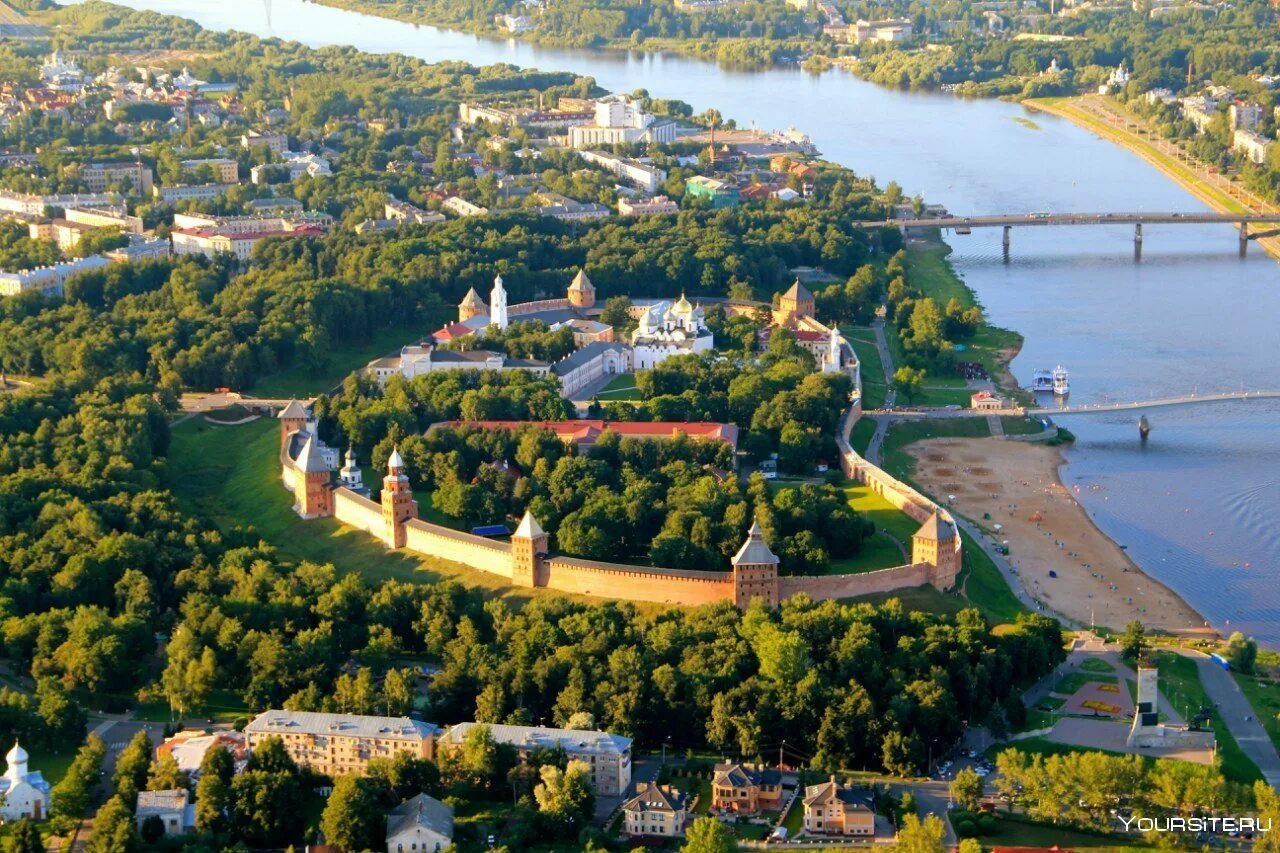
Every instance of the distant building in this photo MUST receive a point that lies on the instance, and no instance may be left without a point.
(642, 175)
(421, 824)
(225, 170)
(720, 193)
(276, 143)
(172, 808)
(461, 207)
(745, 788)
(99, 176)
(1252, 145)
(608, 755)
(585, 331)
(183, 192)
(584, 434)
(667, 329)
(985, 401)
(794, 305)
(832, 809)
(402, 211)
(656, 810)
(25, 792)
(562, 207)
(514, 23)
(48, 280)
(140, 248)
(1243, 116)
(590, 364)
(419, 359)
(620, 120)
(338, 744)
(647, 207)
(215, 241)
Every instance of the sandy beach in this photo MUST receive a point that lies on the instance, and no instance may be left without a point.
(1047, 530)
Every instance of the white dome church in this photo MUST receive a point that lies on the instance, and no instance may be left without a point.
(26, 794)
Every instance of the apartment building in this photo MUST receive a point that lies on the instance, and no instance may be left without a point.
(343, 744)
(99, 176)
(608, 755)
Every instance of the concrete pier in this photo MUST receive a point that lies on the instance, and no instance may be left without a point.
(1008, 230)
(1244, 239)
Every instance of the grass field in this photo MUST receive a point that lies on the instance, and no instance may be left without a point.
(1097, 665)
(1264, 695)
(1073, 681)
(892, 525)
(900, 464)
(1014, 425)
(863, 341)
(929, 271)
(223, 707)
(861, 435)
(621, 387)
(301, 383)
(985, 587)
(1180, 682)
(1016, 831)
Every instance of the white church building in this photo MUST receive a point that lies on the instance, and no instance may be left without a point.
(668, 329)
(25, 793)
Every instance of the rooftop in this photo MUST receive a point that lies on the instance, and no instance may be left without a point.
(424, 811)
(572, 740)
(347, 725)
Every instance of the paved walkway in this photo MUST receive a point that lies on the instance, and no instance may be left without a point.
(1239, 716)
(886, 361)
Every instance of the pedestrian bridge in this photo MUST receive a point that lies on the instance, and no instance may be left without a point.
(1185, 400)
(1008, 221)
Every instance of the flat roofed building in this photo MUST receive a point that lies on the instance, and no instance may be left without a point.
(608, 755)
(172, 808)
(99, 176)
(585, 433)
(336, 744)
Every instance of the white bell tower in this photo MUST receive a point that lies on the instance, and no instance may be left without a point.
(498, 304)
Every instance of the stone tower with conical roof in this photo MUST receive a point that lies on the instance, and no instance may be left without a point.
(755, 571)
(935, 545)
(470, 306)
(528, 547)
(292, 418)
(315, 498)
(398, 505)
(796, 303)
(582, 293)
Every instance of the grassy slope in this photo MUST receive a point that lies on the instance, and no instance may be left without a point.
(878, 552)
(1264, 695)
(863, 341)
(1180, 682)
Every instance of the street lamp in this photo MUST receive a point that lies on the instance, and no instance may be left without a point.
(665, 741)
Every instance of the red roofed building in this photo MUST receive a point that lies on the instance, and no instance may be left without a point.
(585, 433)
(452, 332)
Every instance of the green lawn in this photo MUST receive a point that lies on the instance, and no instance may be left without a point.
(1014, 425)
(302, 383)
(929, 271)
(861, 436)
(1180, 682)
(701, 788)
(1097, 665)
(231, 476)
(863, 341)
(878, 552)
(223, 707)
(795, 818)
(900, 464)
(1264, 695)
(1016, 831)
(53, 765)
(621, 387)
(1073, 681)
(985, 587)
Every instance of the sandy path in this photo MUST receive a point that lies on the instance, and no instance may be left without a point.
(1046, 529)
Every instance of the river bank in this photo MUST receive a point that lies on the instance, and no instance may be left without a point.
(1018, 485)
(1221, 194)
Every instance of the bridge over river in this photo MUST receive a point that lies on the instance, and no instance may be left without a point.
(1165, 402)
(1008, 221)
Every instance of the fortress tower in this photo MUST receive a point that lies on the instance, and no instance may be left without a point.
(796, 303)
(934, 544)
(470, 306)
(293, 418)
(398, 505)
(315, 494)
(528, 547)
(498, 304)
(755, 571)
(582, 293)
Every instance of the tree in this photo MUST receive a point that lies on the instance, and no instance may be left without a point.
(707, 835)
(25, 838)
(166, 775)
(966, 789)
(113, 830)
(1242, 653)
(909, 382)
(70, 797)
(133, 766)
(397, 692)
(353, 817)
(581, 721)
(1133, 642)
(213, 791)
(916, 836)
(970, 845)
(267, 807)
(566, 795)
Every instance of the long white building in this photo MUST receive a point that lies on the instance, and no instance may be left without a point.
(621, 120)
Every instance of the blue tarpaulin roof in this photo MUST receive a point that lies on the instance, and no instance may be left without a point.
(491, 530)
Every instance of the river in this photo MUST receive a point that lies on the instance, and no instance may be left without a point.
(1198, 507)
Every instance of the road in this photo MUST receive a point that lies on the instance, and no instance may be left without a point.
(1240, 717)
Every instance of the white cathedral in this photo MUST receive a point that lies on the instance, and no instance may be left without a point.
(668, 329)
(25, 793)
